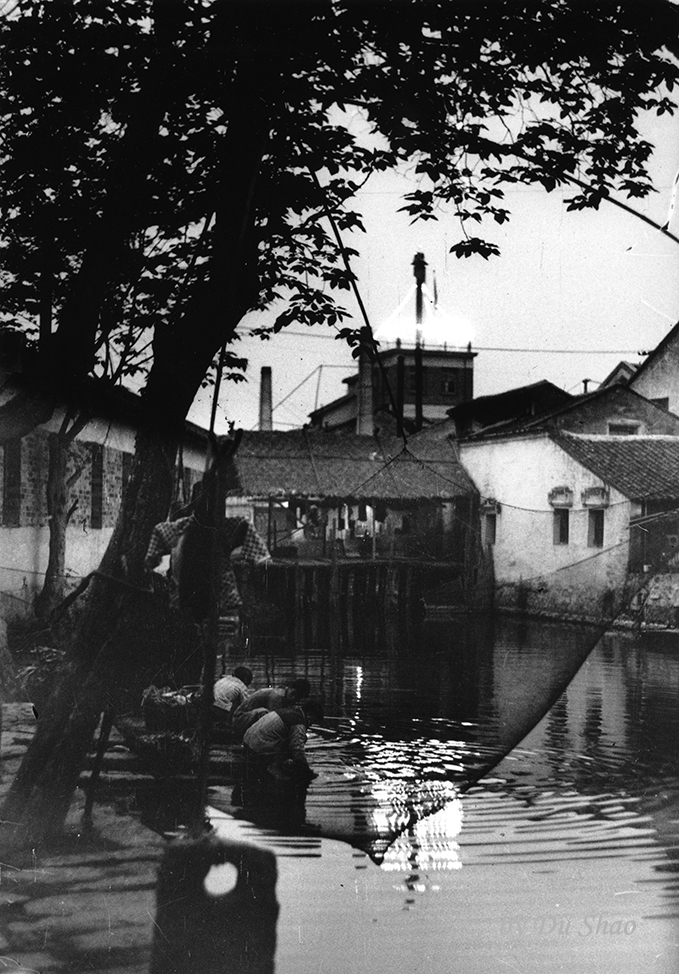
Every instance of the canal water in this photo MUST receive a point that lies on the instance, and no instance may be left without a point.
(492, 795)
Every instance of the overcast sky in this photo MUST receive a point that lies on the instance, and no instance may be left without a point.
(568, 287)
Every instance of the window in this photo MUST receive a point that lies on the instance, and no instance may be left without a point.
(448, 383)
(595, 529)
(11, 484)
(623, 429)
(561, 526)
(490, 528)
(96, 485)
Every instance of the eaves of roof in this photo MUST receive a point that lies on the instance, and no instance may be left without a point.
(479, 439)
(545, 420)
(333, 404)
(327, 465)
(640, 467)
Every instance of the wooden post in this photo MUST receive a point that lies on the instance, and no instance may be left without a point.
(299, 582)
(351, 595)
(334, 592)
(104, 735)
(315, 604)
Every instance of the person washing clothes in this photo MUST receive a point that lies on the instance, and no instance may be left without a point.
(262, 701)
(277, 741)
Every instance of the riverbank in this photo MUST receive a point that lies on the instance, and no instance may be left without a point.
(86, 905)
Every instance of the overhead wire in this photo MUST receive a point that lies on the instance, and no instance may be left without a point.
(480, 348)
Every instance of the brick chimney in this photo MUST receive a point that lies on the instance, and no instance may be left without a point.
(265, 400)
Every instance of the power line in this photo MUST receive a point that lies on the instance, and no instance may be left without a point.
(482, 348)
(565, 351)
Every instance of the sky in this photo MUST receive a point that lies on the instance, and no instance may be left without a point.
(575, 291)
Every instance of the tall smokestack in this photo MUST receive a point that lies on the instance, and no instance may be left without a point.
(265, 400)
(365, 423)
(420, 275)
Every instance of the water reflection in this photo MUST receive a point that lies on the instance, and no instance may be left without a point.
(417, 721)
(537, 864)
(429, 846)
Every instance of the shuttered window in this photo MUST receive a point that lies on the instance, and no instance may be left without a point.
(11, 484)
(595, 529)
(561, 526)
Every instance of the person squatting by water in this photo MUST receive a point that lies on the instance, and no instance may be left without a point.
(276, 742)
(262, 701)
(229, 693)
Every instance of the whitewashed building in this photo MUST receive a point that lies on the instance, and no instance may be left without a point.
(570, 518)
(99, 463)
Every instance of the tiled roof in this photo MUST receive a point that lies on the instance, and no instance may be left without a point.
(508, 410)
(553, 418)
(326, 464)
(640, 467)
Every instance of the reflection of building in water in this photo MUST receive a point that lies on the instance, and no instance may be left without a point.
(430, 845)
(537, 664)
(374, 794)
(437, 674)
(621, 701)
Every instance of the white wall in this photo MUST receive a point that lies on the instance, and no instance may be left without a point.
(25, 552)
(567, 579)
(661, 379)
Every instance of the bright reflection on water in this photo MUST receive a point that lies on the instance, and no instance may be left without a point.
(436, 761)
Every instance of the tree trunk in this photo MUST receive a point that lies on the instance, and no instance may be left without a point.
(59, 515)
(110, 661)
(119, 643)
(122, 633)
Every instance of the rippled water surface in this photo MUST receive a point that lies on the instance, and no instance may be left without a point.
(453, 827)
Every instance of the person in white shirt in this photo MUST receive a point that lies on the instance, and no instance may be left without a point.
(229, 693)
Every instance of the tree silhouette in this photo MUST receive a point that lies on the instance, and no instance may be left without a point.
(169, 165)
